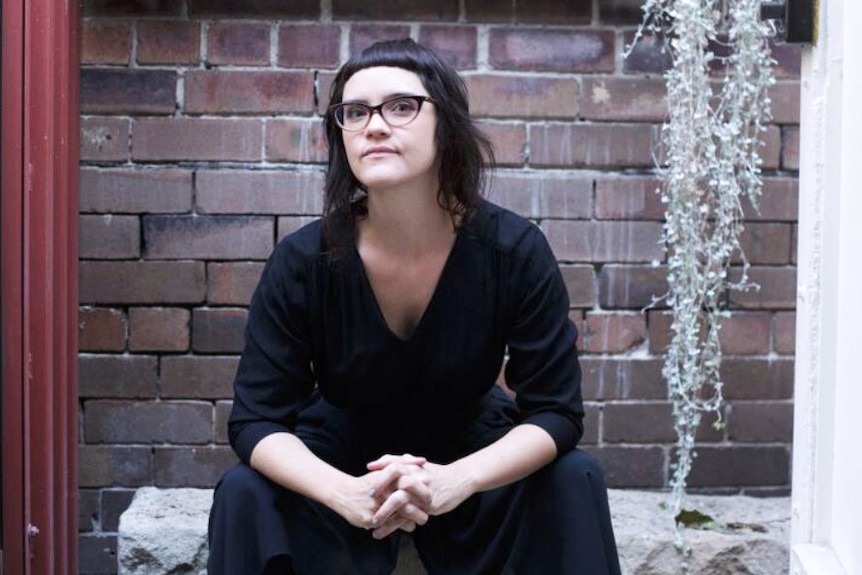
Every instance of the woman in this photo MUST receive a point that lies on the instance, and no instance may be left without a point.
(378, 332)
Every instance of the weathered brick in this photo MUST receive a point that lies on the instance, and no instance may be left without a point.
(757, 378)
(607, 378)
(790, 150)
(620, 12)
(232, 283)
(364, 35)
(638, 422)
(785, 96)
(554, 50)
(746, 333)
(132, 8)
(290, 224)
(766, 243)
(101, 329)
(509, 141)
(634, 466)
(761, 421)
(97, 554)
(168, 42)
(208, 237)
(581, 241)
(324, 85)
(109, 237)
(119, 191)
(580, 284)
(203, 139)
(628, 198)
(788, 59)
(114, 503)
(260, 192)
(114, 465)
(535, 11)
(219, 330)
(740, 465)
(197, 377)
(88, 509)
(592, 424)
(406, 10)
(624, 99)
(158, 329)
(104, 139)
(770, 150)
(779, 201)
(632, 287)
(142, 282)
(455, 44)
(659, 328)
(777, 288)
(242, 92)
(118, 376)
(522, 96)
(309, 45)
(191, 466)
(122, 91)
(293, 10)
(222, 412)
(649, 56)
(296, 140)
(108, 421)
(105, 42)
(784, 333)
(593, 145)
(612, 332)
(537, 195)
(238, 43)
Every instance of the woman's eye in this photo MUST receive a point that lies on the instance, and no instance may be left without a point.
(402, 106)
(354, 113)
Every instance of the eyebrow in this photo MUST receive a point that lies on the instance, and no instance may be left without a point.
(385, 98)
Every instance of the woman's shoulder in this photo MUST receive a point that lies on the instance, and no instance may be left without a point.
(502, 229)
(301, 247)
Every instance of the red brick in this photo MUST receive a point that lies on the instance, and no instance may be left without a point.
(746, 333)
(295, 9)
(777, 288)
(290, 224)
(109, 237)
(197, 377)
(761, 421)
(158, 329)
(168, 42)
(260, 192)
(779, 201)
(580, 284)
(142, 282)
(631, 466)
(455, 44)
(101, 329)
(232, 283)
(403, 10)
(207, 237)
(221, 416)
(785, 96)
(607, 378)
(592, 145)
(88, 509)
(638, 423)
(114, 503)
(535, 11)
(105, 42)
(523, 96)
(132, 8)
(620, 12)
(135, 191)
(324, 84)
(114, 465)
(650, 55)
(784, 333)
(509, 141)
(612, 332)
(770, 150)
(364, 35)
(659, 328)
(97, 553)
(632, 287)
(551, 50)
(213, 139)
(740, 465)
(220, 330)
(592, 423)
(217, 92)
(625, 99)
(765, 243)
(757, 378)
(309, 45)
(123, 91)
(108, 421)
(580, 241)
(628, 198)
(296, 140)
(538, 195)
(788, 59)
(104, 139)
(118, 376)
(238, 43)
(790, 151)
(191, 466)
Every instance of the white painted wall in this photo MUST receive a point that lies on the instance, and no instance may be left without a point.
(827, 453)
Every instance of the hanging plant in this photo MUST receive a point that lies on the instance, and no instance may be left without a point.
(717, 108)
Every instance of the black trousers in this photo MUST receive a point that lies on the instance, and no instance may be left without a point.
(556, 521)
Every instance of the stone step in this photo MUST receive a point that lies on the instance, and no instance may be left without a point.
(164, 531)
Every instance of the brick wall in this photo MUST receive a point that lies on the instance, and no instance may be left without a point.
(201, 146)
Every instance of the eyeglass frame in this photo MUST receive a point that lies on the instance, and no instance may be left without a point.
(333, 109)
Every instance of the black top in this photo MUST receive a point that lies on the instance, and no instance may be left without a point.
(316, 322)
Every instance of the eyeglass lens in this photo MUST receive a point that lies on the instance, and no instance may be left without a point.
(396, 112)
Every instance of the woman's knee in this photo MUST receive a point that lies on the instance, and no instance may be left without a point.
(242, 485)
(577, 465)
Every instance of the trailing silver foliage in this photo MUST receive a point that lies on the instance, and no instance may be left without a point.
(718, 105)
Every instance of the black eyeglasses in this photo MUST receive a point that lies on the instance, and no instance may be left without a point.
(398, 111)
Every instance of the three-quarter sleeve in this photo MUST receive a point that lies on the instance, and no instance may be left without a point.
(543, 367)
(274, 379)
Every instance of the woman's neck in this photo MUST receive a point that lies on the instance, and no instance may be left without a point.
(406, 222)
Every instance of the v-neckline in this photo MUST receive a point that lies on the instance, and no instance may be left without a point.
(375, 303)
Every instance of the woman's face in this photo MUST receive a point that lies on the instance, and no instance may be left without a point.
(382, 156)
